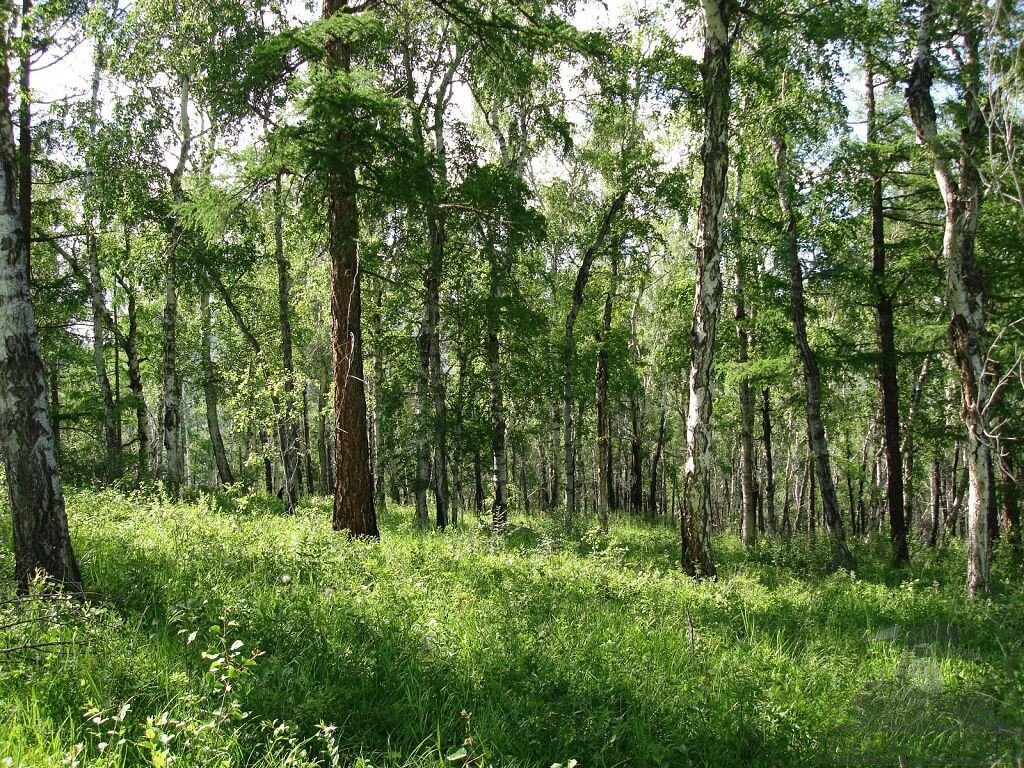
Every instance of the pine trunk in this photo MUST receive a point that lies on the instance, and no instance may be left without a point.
(354, 510)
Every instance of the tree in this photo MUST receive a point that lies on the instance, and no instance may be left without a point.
(42, 544)
(822, 465)
(715, 85)
(962, 195)
(354, 509)
(887, 373)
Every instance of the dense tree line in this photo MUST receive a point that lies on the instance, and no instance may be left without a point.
(732, 266)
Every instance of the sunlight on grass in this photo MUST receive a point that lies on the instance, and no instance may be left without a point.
(221, 634)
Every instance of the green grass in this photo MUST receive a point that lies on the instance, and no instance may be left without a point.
(539, 649)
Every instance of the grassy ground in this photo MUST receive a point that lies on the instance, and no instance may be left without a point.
(221, 634)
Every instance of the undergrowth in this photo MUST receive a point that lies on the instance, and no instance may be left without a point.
(219, 632)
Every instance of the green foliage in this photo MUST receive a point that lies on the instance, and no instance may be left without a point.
(223, 635)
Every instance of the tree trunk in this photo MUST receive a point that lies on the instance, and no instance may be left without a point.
(769, 472)
(111, 443)
(697, 560)
(288, 428)
(499, 507)
(42, 544)
(307, 450)
(605, 468)
(174, 457)
(746, 393)
(431, 333)
(353, 482)
(478, 483)
(422, 480)
(268, 466)
(25, 132)
(962, 198)
(888, 382)
(933, 534)
(636, 454)
(841, 555)
(659, 447)
(323, 451)
(568, 352)
(908, 445)
(210, 393)
(377, 444)
(130, 343)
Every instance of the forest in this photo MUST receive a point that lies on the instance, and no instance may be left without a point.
(511, 383)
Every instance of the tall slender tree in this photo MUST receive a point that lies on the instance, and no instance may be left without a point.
(960, 184)
(716, 78)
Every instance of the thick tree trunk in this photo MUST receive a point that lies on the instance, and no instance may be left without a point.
(220, 457)
(54, 407)
(288, 428)
(499, 507)
(174, 457)
(568, 353)
(888, 382)
(962, 197)
(841, 555)
(42, 544)
(353, 482)
(697, 560)
(769, 472)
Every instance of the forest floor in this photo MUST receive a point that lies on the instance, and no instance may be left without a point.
(219, 633)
